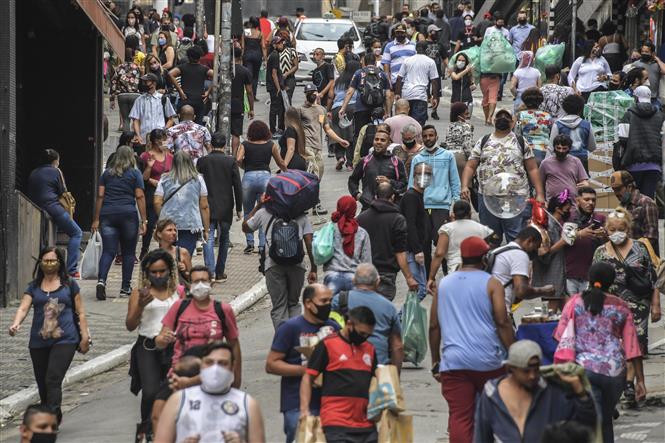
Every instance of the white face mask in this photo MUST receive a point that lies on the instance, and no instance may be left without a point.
(201, 290)
(468, 22)
(377, 51)
(460, 64)
(215, 379)
(618, 237)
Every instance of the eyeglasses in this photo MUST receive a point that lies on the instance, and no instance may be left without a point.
(615, 214)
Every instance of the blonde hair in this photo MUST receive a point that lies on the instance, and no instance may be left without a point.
(183, 168)
(621, 215)
(146, 64)
(122, 161)
(161, 225)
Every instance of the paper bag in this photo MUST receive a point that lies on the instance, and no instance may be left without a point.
(385, 392)
(395, 428)
(310, 430)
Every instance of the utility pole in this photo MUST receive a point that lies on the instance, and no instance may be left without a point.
(573, 29)
(223, 65)
(200, 14)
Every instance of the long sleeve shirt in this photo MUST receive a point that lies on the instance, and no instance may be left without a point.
(412, 208)
(585, 73)
(446, 186)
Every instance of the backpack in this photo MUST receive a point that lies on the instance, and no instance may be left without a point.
(285, 242)
(187, 301)
(490, 259)
(368, 141)
(181, 52)
(394, 160)
(371, 91)
(579, 135)
(520, 140)
(339, 315)
(290, 194)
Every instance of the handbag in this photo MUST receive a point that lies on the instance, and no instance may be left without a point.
(66, 199)
(638, 283)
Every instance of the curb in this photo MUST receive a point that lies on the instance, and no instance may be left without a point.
(15, 404)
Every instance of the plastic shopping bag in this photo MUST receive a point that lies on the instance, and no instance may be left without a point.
(550, 55)
(91, 255)
(395, 428)
(414, 329)
(473, 54)
(497, 55)
(310, 430)
(323, 244)
(385, 392)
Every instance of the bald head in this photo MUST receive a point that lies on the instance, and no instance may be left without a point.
(366, 277)
(384, 191)
(402, 106)
(315, 291)
(186, 113)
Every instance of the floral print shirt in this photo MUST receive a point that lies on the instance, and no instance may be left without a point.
(189, 137)
(602, 342)
(501, 155)
(535, 127)
(125, 80)
(460, 138)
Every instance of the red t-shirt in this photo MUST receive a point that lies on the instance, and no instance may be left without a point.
(199, 327)
(159, 167)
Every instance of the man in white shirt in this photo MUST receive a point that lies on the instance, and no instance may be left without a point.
(413, 80)
(499, 25)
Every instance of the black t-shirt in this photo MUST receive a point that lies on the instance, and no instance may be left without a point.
(436, 51)
(192, 79)
(242, 78)
(466, 39)
(322, 75)
(273, 63)
(297, 162)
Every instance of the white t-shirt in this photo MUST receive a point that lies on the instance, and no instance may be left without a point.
(503, 30)
(416, 73)
(204, 190)
(526, 78)
(457, 232)
(508, 264)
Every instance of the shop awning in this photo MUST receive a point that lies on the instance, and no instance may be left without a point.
(97, 14)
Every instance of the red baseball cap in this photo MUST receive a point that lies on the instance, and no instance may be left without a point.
(473, 247)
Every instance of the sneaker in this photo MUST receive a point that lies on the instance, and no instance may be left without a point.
(331, 154)
(248, 250)
(628, 400)
(319, 210)
(435, 115)
(221, 278)
(340, 164)
(75, 275)
(349, 168)
(118, 259)
(124, 293)
(101, 291)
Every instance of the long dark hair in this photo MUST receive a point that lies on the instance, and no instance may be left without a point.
(601, 277)
(344, 79)
(38, 274)
(154, 256)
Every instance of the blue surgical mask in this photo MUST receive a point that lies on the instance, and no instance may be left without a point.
(161, 41)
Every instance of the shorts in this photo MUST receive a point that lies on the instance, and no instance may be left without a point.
(236, 124)
(489, 86)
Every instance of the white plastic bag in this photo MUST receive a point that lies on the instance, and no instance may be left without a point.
(91, 255)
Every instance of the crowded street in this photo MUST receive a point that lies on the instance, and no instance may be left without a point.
(478, 263)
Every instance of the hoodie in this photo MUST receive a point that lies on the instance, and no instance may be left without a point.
(369, 168)
(386, 227)
(640, 129)
(445, 187)
(579, 130)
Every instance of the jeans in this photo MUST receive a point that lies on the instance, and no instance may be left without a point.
(284, 284)
(291, 419)
(276, 114)
(125, 102)
(606, 392)
(360, 119)
(217, 268)
(252, 61)
(419, 273)
(116, 228)
(508, 226)
(576, 286)
(418, 110)
(50, 365)
(151, 217)
(646, 182)
(152, 372)
(290, 87)
(65, 224)
(253, 185)
(338, 281)
(187, 239)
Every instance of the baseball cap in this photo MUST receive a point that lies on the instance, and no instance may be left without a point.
(310, 87)
(643, 94)
(277, 39)
(149, 77)
(521, 352)
(431, 28)
(621, 178)
(473, 247)
(283, 20)
(399, 28)
(504, 111)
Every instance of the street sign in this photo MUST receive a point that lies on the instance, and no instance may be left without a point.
(362, 16)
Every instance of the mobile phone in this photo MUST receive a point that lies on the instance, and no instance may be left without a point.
(596, 224)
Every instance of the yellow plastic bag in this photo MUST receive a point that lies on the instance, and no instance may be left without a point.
(395, 428)
(310, 430)
(385, 392)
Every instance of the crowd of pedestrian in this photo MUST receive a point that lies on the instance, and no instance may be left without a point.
(417, 204)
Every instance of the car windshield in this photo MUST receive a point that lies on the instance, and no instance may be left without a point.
(326, 32)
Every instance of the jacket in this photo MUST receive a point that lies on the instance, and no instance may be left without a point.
(550, 405)
(640, 129)
(387, 233)
(413, 210)
(369, 168)
(220, 172)
(446, 186)
(579, 131)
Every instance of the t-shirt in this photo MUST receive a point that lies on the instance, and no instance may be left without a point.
(44, 188)
(399, 121)
(40, 300)
(394, 55)
(508, 264)
(198, 327)
(358, 81)
(653, 69)
(241, 79)
(314, 118)
(273, 63)
(322, 75)
(119, 197)
(297, 162)
(436, 51)
(457, 231)
(295, 332)
(535, 127)
(417, 72)
(261, 220)
(580, 255)
(526, 78)
(466, 39)
(559, 175)
(387, 319)
(158, 168)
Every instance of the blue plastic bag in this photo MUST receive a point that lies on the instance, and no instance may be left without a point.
(414, 329)
(323, 244)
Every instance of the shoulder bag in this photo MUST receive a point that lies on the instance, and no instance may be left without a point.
(66, 199)
(636, 282)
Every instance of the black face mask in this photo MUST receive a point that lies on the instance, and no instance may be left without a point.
(400, 38)
(42, 437)
(311, 98)
(560, 155)
(159, 282)
(645, 57)
(522, 22)
(409, 144)
(322, 311)
(565, 216)
(532, 254)
(355, 338)
(502, 124)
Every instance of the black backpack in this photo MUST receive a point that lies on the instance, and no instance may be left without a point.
(285, 242)
(371, 91)
(490, 259)
(520, 141)
(186, 302)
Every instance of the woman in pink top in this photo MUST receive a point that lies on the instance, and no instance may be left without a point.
(596, 331)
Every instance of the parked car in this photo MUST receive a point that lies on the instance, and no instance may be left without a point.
(312, 33)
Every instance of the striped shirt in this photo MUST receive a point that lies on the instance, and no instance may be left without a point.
(416, 73)
(395, 54)
(149, 111)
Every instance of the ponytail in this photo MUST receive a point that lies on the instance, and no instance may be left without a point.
(601, 277)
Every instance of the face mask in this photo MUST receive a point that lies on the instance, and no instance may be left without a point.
(49, 268)
(468, 22)
(498, 26)
(645, 57)
(355, 338)
(42, 437)
(532, 255)
(560, 155)
(460, 64)
(618, 237)
(647, 83)
(522, 21)
(322, 311)
(158, 282)
(377, 51)
(201, 290)
(424, 180)
(400, 38)
(410, 31)
(161, 41)
(430, 144)
(409, 144)
(625, 197)
(216, 379)
(502, 124)
(311, 98)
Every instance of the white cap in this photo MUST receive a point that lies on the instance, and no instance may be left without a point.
(643, 94)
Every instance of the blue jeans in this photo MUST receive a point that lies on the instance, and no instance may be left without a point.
(187, 239)
(114, 228)
(606, 392)
(508, 226)
(209, 247)
(338, 281)
(291, 418)
(65, 224)
(253, 186)
(418, 110)
(419, 273)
